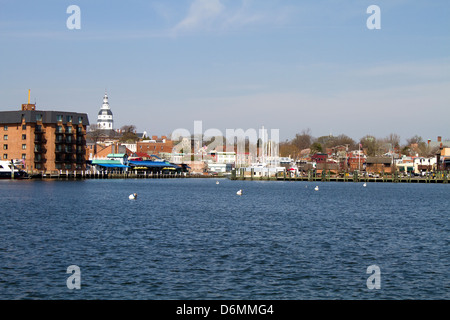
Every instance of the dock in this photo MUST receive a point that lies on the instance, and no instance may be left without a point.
(439, 177)
(112, 175)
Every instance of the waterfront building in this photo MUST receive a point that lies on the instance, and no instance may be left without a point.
(104, 150)
(44, 141)
(379, 165)
(155, 146)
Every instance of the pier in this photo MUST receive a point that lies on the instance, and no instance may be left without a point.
(439, 177)
(113, 175)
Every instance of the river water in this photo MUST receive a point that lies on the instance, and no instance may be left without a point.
(195, 239)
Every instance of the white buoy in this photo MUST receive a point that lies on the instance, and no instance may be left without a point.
(316, 188)
(217, 182)
(239, 193)
(364, 185)
(132, 196)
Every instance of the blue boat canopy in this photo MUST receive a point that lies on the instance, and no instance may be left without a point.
(152, 164)
(109, 165)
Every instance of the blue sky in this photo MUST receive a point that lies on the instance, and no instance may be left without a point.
(284, 64)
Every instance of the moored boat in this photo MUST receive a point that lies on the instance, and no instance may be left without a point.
(8, 170)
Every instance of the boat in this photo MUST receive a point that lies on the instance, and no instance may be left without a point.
(7, 168)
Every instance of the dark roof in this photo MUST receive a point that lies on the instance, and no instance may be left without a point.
(10, 117)
(105, 112)
(370, 160)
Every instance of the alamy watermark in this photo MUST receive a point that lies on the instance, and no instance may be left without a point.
(74, 20)
(254, 144)
(374, 281)
(74, 281)
(374, 21)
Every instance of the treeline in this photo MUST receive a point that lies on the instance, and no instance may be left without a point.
(305, 143)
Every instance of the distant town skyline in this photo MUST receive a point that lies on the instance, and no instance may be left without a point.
(281, 64)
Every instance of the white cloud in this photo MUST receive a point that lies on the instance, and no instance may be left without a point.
(202, 13)
(223, 15)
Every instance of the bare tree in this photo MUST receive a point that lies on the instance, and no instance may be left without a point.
(303, 140)
(393, 139)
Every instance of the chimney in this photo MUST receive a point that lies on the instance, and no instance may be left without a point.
(439, 138)
(429, 141)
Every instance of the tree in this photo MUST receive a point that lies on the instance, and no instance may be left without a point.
(302, 140)
(128, 128)
(371, 144)
(316, 147)
(394, 140)
(128, 134)
(417, 145)
(287, 149)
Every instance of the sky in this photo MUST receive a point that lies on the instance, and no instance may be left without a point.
(282, 64)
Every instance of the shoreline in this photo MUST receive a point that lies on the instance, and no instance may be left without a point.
(107, 176)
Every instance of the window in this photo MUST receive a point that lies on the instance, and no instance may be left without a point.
(5, 128)
(59, 117)
(80, 119)
(5, 147)
(59, 129)
(24, 137)
(68, 166)
(5, 156)
(24, 127)
(69, 118)
(24, 156)
(39, 117)
(37, 166)
(68, 129)
(5, 137)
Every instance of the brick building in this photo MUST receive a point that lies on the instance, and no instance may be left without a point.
(379, 165)
(45, 141)
(155, 146)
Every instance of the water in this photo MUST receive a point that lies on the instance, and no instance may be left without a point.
(193, 239)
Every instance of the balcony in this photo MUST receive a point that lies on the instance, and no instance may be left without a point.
(69, 159)
(40, 139)
(40, 149)
(39, 160)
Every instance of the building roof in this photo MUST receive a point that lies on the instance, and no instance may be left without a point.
(105, 112)
(371, 160)
(142, 155)
(152, 164)
(116, 155)
(48, 117)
